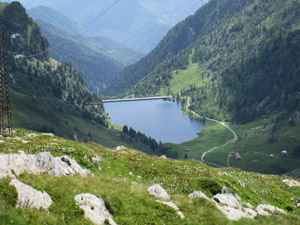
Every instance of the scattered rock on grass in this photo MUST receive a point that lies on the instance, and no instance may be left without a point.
(174, 206)
(95, 161)
(292, 183)
(43, 162)
(267, 210)
(198, 194)
(94, 209)
(28, 197)
(158, 191)
(120, 148)
(231, 206)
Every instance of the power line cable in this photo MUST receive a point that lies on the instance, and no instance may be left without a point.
(86, 26)
(53, 3)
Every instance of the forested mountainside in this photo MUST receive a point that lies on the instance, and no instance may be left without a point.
(97, 69)
(35, 81)
(237, 60)
(49, 96)
(98, 59)
(67, 28)
(136, 24)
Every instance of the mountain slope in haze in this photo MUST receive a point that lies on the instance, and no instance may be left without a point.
(137, 24)
(66, 26)
(97, 69)
(237, 60)
(90, 55)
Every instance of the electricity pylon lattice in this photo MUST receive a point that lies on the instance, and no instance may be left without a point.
(5, 112)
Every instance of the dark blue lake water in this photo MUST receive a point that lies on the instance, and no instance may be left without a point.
(160, 119)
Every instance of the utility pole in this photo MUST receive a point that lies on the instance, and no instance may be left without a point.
(5, 112)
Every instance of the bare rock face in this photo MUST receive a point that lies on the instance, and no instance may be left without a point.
(94, 209)
(43, 162)
(267, 210)
(292, 183)
(28, 197)
(232, 207)
(158, 191)
(174, 206)
(198, 194)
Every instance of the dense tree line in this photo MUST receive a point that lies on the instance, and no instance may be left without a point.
(247, 54)
(156, 148)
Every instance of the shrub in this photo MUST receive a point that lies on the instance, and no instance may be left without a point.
(210, 185)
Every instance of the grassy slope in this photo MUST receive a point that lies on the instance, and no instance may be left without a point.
(257, 141)
(64, 118)
(126, 195)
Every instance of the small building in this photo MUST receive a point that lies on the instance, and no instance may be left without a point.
(283, 153)
(271, 155)
(237, 156)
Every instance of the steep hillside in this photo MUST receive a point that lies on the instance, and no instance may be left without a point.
(237, 60)
(97, 69)
(136, 24)
(55, 23)
(122, 179)
(49, 96)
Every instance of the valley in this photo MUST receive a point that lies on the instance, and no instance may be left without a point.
(197, 121)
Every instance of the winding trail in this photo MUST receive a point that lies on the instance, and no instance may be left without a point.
(235, 137)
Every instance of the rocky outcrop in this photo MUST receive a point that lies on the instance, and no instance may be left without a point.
(94, 209)
(198, 194)
(292, 183)
(267, 210)
(43, 162)
(174, 206)
(232, 207)
(28, 197)
(158, 191)
(95, 161)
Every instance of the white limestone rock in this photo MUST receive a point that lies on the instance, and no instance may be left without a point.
(120, 148)
(267, 210)
(48, 134)
(227, 199)
(158, 191)
(28, 197)
(43, 162)
(174, 206)
(95, 161)
(198, 194)
(21, 140)
(292, 183)
(231, 206)
(5, 173)
(94, 208)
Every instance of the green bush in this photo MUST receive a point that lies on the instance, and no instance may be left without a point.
(210, 185)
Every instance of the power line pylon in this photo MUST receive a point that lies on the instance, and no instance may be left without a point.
(5, 111)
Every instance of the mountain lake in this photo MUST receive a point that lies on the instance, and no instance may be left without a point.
(160, 119)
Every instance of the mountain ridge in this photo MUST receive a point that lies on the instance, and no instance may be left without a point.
(217, 62)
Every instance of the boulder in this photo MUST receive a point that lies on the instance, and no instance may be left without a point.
(227, 199)
(292, 183)
(267, 210)
(120, 148)
(95, 161)
(94, 209)
(174, 206)
(198, 194)
(232, 207)
(43, 162)
(28, 197)
(158, 191)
